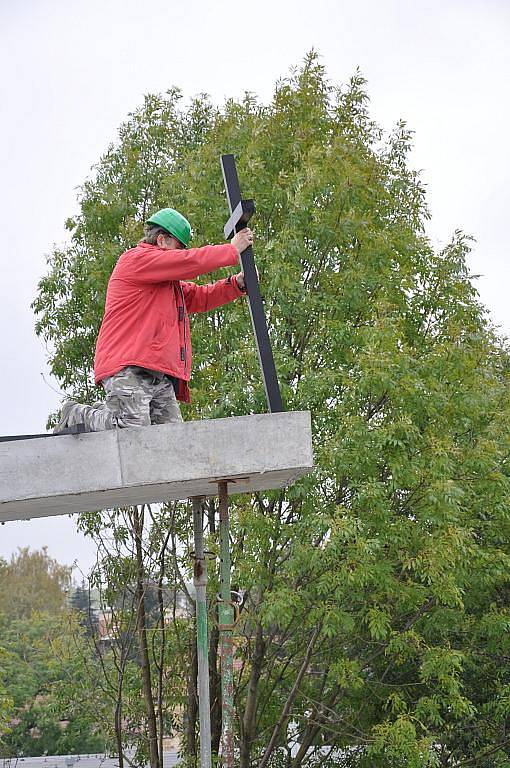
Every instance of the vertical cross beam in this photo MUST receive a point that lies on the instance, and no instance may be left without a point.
(239, 216)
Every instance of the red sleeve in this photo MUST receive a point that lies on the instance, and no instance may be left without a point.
(150, 264)
(201, 298)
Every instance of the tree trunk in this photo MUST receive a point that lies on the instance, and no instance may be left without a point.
(141, 626)
(215, 690)
(316, 719)
(290, 700)
(190, 717)
(250, 712)
(162, 634)
(307, 740)
(118, 730)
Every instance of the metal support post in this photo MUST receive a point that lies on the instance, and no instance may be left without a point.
(226, 625)
(200, 582)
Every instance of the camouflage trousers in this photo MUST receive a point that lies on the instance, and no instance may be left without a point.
(135, 397)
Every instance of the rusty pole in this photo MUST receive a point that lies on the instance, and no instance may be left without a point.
(200, 582)
(226, 625)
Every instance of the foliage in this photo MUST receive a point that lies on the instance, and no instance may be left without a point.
(82, 604)
(33, 582)
(45, 703)
(6, 706)
(146, 628)
(382, 580)
(52, 709)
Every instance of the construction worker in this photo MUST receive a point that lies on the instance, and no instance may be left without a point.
(143, 351)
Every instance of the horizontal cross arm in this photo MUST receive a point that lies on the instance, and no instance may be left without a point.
(240, 217)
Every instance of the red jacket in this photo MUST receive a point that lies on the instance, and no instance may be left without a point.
(147, 303)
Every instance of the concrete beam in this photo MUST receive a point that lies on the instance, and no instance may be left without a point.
(103, 470)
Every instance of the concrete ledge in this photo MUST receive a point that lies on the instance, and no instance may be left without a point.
(103, 470)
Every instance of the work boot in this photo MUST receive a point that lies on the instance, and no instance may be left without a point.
(64, 416)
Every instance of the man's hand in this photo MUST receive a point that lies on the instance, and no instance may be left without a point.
(241, 282)
(242, 240)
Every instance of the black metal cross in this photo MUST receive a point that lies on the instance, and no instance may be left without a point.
(241, 212)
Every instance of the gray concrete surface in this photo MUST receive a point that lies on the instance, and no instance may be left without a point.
(102, 470)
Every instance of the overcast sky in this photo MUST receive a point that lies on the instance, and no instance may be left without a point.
(73, 69)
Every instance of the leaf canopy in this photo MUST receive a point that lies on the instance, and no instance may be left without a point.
(397, 545)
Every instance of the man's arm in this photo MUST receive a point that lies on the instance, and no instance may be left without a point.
(159, 265)
(151, 264)
(202, 298)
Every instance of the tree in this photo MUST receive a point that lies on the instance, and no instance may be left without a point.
(6, 705)
(139, 648)
(45, 673)
(33, 582)
(81, 602)
(374, 616)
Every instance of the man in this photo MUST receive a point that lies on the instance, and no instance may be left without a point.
(143, 351)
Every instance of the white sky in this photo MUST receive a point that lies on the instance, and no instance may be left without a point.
(73, 69)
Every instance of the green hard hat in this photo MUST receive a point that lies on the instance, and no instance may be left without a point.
(174, 223)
